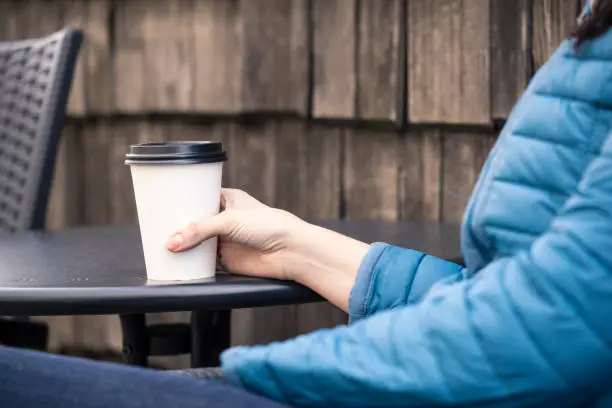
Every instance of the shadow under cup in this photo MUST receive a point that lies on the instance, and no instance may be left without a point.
(176, 183)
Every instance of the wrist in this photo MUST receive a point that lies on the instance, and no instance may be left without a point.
(314, 250)
(324, 261)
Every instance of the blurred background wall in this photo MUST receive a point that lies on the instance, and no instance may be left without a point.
(359, 109)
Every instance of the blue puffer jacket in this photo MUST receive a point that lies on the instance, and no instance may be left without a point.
(529, 321)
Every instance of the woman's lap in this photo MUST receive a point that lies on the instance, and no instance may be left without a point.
(31, 379)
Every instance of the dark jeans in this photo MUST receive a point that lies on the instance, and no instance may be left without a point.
(31, 380)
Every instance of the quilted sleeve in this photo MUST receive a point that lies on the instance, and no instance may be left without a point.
(529, 330)
(391, 277)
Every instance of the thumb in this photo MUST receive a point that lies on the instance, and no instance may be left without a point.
(199, 231)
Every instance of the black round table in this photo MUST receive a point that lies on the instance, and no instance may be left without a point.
(101, 271)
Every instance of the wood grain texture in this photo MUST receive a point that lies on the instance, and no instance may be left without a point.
(45, 18)
(448, 61)
(420, 162)
(253, 170)
(218, 56)
(74, 13)
(61, 332)
(254, 165)
(169, 48)
(103, 333)
(130, 56)
(96, 140)
(552, 23)
(321, 162)
(98, 61)
(198, 128)
(334, 58)
(323, 171)
(381, 70)
(64, 211)
(20, 22)
(275, 55)
(65, 202)
(510, 53)
(371, 174)
(95, 333)
(291, 172)
(6, 16)
(300, 61)
(464, 156)
(65, 206)
(291, 186)
(121, 191)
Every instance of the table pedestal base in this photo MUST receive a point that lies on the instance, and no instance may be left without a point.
(207, 337)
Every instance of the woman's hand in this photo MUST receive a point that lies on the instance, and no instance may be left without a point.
(258, 240)
(252, 236)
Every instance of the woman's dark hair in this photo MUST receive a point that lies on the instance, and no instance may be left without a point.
(595, 23)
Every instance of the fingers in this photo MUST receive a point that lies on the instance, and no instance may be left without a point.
(234, 198)
(241, 260)
(222, 202)
(199, 231)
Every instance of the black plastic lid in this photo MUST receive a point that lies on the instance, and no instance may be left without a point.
(176, 153)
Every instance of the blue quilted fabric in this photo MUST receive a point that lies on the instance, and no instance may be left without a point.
(528, 323)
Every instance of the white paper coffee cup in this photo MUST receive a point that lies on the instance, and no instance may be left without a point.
(176, 183)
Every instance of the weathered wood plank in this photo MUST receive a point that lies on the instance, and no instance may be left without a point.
(420, 176)
(334, 49)
(510, 53)
(169, 70)
(91, 333)
(28, 19)
(74, 13)
(322, 150)
(290, 194)
(98, 61)
(122, 202)
(64, 211)
(323, 171)
(19, 24)
(300, 50)
(371, 174)
(61, 332)
(218, 79)
(103, 333)
(448, 61)
(45, 18)
(291, 166)
(381, 70)
(464, 156)
(129, 56)
(95, 333)
(96, 139)
(275, 39)
(552, 23)
(197, 128)
(65, 202)
(6, 16)
(262, 325)
(254, 144)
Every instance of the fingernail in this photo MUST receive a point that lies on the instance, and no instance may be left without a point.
(176, 242)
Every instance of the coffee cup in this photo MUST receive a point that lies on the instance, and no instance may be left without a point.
(176, 183)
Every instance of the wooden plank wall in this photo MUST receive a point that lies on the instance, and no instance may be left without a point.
(362, 109)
